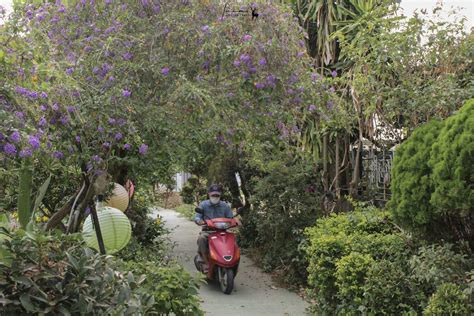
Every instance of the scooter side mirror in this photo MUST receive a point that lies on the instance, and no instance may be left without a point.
(198, 210)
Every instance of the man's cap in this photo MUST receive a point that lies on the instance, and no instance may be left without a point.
(214, 189)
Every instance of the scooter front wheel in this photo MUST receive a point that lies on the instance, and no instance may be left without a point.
(196, 263)
(226, 280)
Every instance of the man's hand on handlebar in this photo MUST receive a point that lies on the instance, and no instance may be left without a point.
(200, 222)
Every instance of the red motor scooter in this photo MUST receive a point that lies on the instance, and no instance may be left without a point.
(224, 253)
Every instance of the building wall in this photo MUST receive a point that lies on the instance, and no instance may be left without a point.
(181, 178)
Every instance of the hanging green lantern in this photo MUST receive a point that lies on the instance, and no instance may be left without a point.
(115, 227)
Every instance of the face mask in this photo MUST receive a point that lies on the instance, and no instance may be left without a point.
(215, 200)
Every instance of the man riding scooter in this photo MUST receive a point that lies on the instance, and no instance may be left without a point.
(212, 208)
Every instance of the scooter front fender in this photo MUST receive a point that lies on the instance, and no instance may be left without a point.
(223, 249)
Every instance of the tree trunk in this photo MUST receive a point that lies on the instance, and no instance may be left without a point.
(57, 217)
(79, 212)
(325, 163)
(354, 186)
(347, 144)
(337, 184)
(328, 198)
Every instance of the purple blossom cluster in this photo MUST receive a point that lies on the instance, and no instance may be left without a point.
(9, 149)
(271, 81)
(15, 137)
(245, 63)
(247, 38)
(34, 142)
(165, 71)
(31, 94)
(143, 149)
(106, 133)
(58, 154)
(14, 144)
(25, 152)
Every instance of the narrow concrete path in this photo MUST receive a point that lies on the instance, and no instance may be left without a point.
(254, 292)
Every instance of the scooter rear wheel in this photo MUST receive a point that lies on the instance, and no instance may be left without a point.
(226, 280)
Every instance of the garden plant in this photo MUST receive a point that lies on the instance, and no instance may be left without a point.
(279, 108)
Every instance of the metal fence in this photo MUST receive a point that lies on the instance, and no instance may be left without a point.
(376, 166)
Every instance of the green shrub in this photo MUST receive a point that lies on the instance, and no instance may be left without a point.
(360, 263)
(449, 299)
(366, 232)
(411, 179)
(452, 162)
(58, 275)
(144, 228)
(351, 271)
(136, 251)
(323, 254)
(174, 290)
(187, 211)
(437, 264)
(389, 290)
(284, 205)
(469, 291)
(432, 179)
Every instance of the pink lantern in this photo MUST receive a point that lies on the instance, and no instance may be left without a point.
(130, 188)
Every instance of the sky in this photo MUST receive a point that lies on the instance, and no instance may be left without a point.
(467, 8)
(408, 6)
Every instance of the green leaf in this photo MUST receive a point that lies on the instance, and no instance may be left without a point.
(73, 261)
(23, 280)
(130, 278)
(6, 257)
(24, 194)
(44, 300)
(26, 302)
(30, 226)
(40, 196)
(4, 222)
(64, 311)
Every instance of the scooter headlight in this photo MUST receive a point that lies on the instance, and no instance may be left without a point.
(222, 225)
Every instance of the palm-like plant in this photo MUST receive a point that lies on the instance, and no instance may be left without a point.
(326, 23)
(323, 18)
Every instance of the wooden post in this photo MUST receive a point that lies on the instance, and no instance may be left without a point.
(95, 220)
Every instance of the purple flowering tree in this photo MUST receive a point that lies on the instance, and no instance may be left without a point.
(67, 102)
(134, 91)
